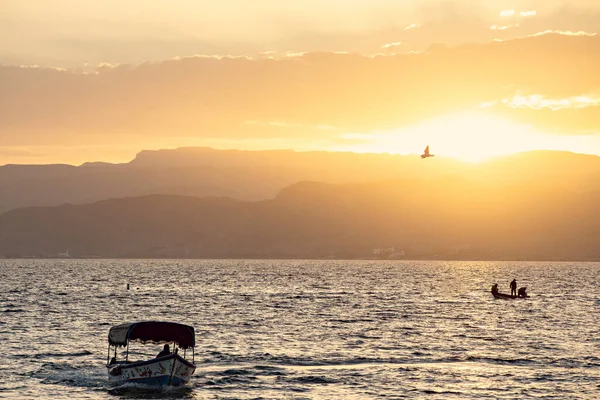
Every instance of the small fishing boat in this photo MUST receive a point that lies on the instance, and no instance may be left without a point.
(498, 295)
(165, 370)
(506, 296)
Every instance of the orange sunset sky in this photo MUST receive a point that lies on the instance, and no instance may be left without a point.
(101, 80)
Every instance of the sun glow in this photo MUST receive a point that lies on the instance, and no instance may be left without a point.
(472, 137)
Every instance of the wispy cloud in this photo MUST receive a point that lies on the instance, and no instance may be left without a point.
(393, 44)
(502, 27)
(565, 33)
(35, 66)
(538, 102)
(213, 56)
(488, 104)
(222, 98)
(63, 41)
(507, 13)
(105, 65)
(531, 13)
(295, 54)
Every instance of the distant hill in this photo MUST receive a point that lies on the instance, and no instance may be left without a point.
(258, 175)
(435, 217)
(243, 175)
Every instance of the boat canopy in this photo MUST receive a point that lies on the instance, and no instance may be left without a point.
(152, 331)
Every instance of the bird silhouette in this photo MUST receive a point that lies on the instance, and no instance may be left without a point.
(426, 153)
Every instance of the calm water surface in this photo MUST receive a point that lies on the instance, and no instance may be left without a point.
(308, 329)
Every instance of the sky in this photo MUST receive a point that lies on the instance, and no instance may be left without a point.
(101, 80)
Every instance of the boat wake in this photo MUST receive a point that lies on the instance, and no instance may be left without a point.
(140, 391)
(51, 373)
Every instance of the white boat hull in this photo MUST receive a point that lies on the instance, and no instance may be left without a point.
(171, 370)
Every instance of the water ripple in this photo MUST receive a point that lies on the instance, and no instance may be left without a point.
(308, 329)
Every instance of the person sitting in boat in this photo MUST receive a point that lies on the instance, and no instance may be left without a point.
(522, 292)
(495, 288)
(165, 351)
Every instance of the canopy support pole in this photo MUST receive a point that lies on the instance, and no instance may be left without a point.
(127, 354)
(108, 355)
(172, 371)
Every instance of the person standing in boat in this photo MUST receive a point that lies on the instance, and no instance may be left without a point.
(513, 287)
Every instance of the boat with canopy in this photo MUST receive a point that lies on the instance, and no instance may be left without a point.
(171, 369)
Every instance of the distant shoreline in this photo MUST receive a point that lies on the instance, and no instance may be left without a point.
(309, 259)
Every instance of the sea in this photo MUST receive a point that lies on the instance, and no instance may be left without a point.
(294, 329)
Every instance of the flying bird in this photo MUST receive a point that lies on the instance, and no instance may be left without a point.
(426, 153)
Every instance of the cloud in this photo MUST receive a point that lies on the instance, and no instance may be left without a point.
(213, 56)
(565, 33)
(502, 27)
(411, 26)
(394, 44)
(488, 104)
(293, 54)
(292, 98)
(417, 24)
(507, 13)
(107, 65)
(47, 67)
(538, 102)
(531, 13)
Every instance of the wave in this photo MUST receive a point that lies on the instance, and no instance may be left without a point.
(586, 362)
(496, 360)
(417, 357)
(312, 380)
(58, 355)
(351, 321)
(231, 380)
(233, 372)
(438, 392)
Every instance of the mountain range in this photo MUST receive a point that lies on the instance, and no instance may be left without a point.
(259, 175)
(282, 204)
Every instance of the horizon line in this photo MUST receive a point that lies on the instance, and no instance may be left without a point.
(438, 155)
